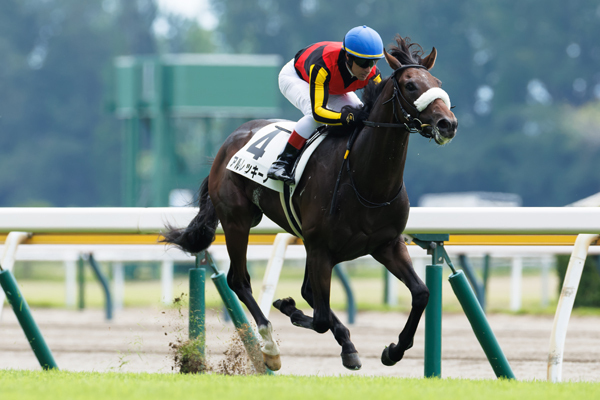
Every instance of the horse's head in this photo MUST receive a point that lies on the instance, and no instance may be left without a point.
(424, 104)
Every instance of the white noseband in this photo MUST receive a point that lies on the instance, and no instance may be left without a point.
(429, 96)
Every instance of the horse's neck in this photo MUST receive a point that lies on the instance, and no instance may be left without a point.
(380, 153)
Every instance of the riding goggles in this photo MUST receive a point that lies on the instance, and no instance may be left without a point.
(365, 62)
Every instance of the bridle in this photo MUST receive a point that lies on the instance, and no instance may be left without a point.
(411, 123)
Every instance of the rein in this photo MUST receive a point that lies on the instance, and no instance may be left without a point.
(361, 199)
(412, 125)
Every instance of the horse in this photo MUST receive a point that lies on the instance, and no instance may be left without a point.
(362, 210)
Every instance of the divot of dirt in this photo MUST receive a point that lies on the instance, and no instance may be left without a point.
(236, 361)
(187, 357)
(252, 347)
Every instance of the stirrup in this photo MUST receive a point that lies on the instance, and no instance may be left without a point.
(283, 178)
(278, 172)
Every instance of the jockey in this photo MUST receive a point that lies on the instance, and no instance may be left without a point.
(320, 80)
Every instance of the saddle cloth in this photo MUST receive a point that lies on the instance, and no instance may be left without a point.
(254, 159)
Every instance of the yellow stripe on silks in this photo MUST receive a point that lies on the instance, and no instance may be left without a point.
(319, 106)
(377, 79)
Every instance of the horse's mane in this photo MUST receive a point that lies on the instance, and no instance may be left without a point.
(406, 52)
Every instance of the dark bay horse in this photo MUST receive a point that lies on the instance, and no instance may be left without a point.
(370, 213)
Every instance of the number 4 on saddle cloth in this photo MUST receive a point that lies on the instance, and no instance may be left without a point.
(255, 158)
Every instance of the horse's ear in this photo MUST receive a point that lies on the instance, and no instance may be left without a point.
(392, 61)
(429, 61)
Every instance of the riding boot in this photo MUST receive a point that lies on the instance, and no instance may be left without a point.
(282, 168)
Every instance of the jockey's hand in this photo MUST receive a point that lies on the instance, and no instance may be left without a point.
(353, 116)
(349, 118)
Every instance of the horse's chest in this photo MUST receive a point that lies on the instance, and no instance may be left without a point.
(362, 237)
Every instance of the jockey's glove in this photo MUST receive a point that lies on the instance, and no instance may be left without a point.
(353, 116)
(349, 118)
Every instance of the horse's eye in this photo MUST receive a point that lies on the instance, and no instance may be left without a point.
(411, 86)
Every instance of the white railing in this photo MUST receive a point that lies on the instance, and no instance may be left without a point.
(452, 220)
(449, 220)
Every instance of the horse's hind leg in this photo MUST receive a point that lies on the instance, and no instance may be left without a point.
(350, 358)
(396, 259)
(236, 233)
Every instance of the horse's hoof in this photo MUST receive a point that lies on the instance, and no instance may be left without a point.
(272, 362)
(286, 306)
(288, 301)
(351, 361)
(385, 358)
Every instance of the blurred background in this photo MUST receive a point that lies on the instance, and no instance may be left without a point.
(524, 77)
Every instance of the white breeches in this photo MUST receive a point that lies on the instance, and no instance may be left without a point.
(297, 91)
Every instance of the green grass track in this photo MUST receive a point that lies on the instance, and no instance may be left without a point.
(50, 385)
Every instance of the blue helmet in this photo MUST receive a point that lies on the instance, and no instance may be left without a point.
(363, 42)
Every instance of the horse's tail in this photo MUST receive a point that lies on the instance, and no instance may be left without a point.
(200, 233)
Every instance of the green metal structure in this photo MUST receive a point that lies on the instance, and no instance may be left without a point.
(25, 318)
(176, 111)
(434, 244)
(197, 312)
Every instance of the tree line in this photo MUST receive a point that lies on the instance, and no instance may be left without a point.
(524, 77)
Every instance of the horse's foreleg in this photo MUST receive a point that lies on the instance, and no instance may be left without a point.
(318, 271)
(238, 280)
(287, 306)
(396, 259)
(350, 358)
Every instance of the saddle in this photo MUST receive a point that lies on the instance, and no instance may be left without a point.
(254, 160)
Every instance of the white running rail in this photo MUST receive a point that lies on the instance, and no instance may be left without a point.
(565, 305)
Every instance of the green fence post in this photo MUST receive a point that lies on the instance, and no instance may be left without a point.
(234, 308)
(351, 303)
(480, 325)
(433, 322)
(108, 305)
(23, 314)
(486, 273)
(197, 328)
(386, 279)
(434, 244)
(81, 282)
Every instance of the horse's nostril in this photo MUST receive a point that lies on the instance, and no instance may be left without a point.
(443, 124)
(447, 127)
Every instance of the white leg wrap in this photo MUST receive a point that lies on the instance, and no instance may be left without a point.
(269, 346)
